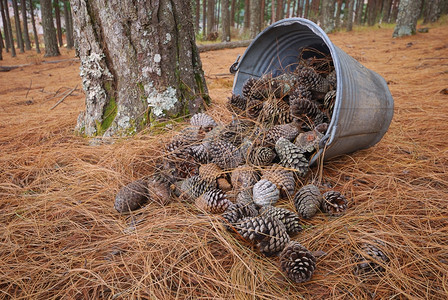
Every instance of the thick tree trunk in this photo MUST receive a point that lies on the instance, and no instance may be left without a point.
(432, 11)
(351, 5)
(139, 63)
(51, 43)
(68, 25)
(25, 25)
(408, 13)
(247, 11)
(18, 26)
(210, 16)
(33, 22)
(9, 28)
(5, 26)
(327, 15)
(387, 5)
(225, 21)
(57, 15)
(255, 26)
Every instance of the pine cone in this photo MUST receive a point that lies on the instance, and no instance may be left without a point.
(199, 153)
(237, 104)
(329, 101)
(371, 258)
(251, 89)
(334, 203)
(282, 178)
(243, 177)
(275, 111)
(213, 201)
(332, 79)
(265, 193)
(159, 189)
(291, 156)
(210, 172)
(308, 141)
(261, 156)
(288, 218)
(194, 186)
(132, 196)
(224, 154)
(313, 81)
(288, 131)
(307, 201)
(305, 110)
(268, 232)
(245, 197)
(238, 211)
(253, 108)
(300, 92)
(297, 262)
(203, 121)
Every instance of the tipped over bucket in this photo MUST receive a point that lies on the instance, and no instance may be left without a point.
(363, 107)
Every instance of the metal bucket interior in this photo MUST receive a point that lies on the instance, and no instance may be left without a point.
(364, 106)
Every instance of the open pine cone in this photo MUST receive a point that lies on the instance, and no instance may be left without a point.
(297, 262)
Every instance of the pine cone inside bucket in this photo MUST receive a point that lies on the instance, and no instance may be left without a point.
(307, 201)
(297, 262)
(334, 203)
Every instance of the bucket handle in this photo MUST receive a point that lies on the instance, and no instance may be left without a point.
(234, 66)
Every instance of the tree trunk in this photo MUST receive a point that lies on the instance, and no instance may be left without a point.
(50, 40)
(394, 12)
(1, 45)
(217, 12)
(338, 14)
(327, 15)
(371, 12)
(9, 28)
(315, 11)
(139, 64)
(255, 26)
(288, 8)
(197, 4)
(351, 5)
(210, 16)
(387, 6)
(68, 25)
(225, 21)
(307, 9)
(5, 27)
(232, 13)
(273, 18)
(299, 12)
(25, 25)
(246, 14)
(432, 11)
(408, 13)
(359, 10)
(262, 11)
(57, 14)
(204, 19)
(18, 27)
(279, 13)
(33, 22)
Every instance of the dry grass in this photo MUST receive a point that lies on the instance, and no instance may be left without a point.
(62, 239)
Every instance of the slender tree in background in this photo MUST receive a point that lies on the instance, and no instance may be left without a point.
(394, 11)
(300, 4)
(338, 14)
(279, 12)
(68, 24)
(351, 6)
(9, 28)
(371, 12)
(210, 16)
(1, 45)
(19, 36)
(307, 9)
(225, 21)
(359, 10)
(197, 12)
(255, 10)
(232, 13)
(33, 22)
(204, 18)
(432, 12)
(26, 35)
(134, 73)
(5, 26)
(385, 11)
(327, 15)
(273, 16)
(57, 15)
(262, 11)
(408, 14)
(247, 16)
(50, 40)
(315, 11)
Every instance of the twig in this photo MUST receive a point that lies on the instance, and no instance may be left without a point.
(63, 98)
(29, 88)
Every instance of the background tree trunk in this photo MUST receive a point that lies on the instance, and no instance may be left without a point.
(197, 15)
(139, 63)
(327, 15)
(351, 6)
(247, 9)
(288, 8)
(25, 25)
(359, 11)
(372, 12)
(5, 27)
(273, 17)
(279, 13)
(394, 11)
(338, 14)
(9, 28)
(386, 11)
(210, 16)
(19, 36)
(299, 8)
(1, 45)
(408, 13)
(232, 13)
(315, 11)
(51, 43)
(255, 26)
(33, 22)
(204, 19)
(307, 9)
(68, 24)
(57, 15)
(225, 21)
(262, 11)
(432, 11)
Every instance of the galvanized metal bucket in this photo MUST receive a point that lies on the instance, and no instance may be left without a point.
(364, 106)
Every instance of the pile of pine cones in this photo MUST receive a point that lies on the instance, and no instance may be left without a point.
(242, 169)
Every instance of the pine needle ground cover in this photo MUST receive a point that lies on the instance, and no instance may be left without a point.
(61, 237)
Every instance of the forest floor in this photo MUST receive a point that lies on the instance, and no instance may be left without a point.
(61, 237)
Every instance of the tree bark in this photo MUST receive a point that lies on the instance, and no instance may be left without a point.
(288, 8)
(68, 25)
(18, 26)
(307, 9)
(273, 17)
(232, 13)
(33, 22)
(50, 40)
(225, 13)
(210, 16)
(1, 45)
(197, 12)
(327, 15)
(57, 15)
(25, 25)
(408, 13)
(359, 10)
(279, 13)
(315, 11)
(394, 12)
(5, 26)
(387, 6)
(255, 26)
(9, 28)
(351, 5)
(204, 19)
(139, 64)
(371, 12)
(262, 11)
(247, 10)
(338, 14)
(432, 11)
